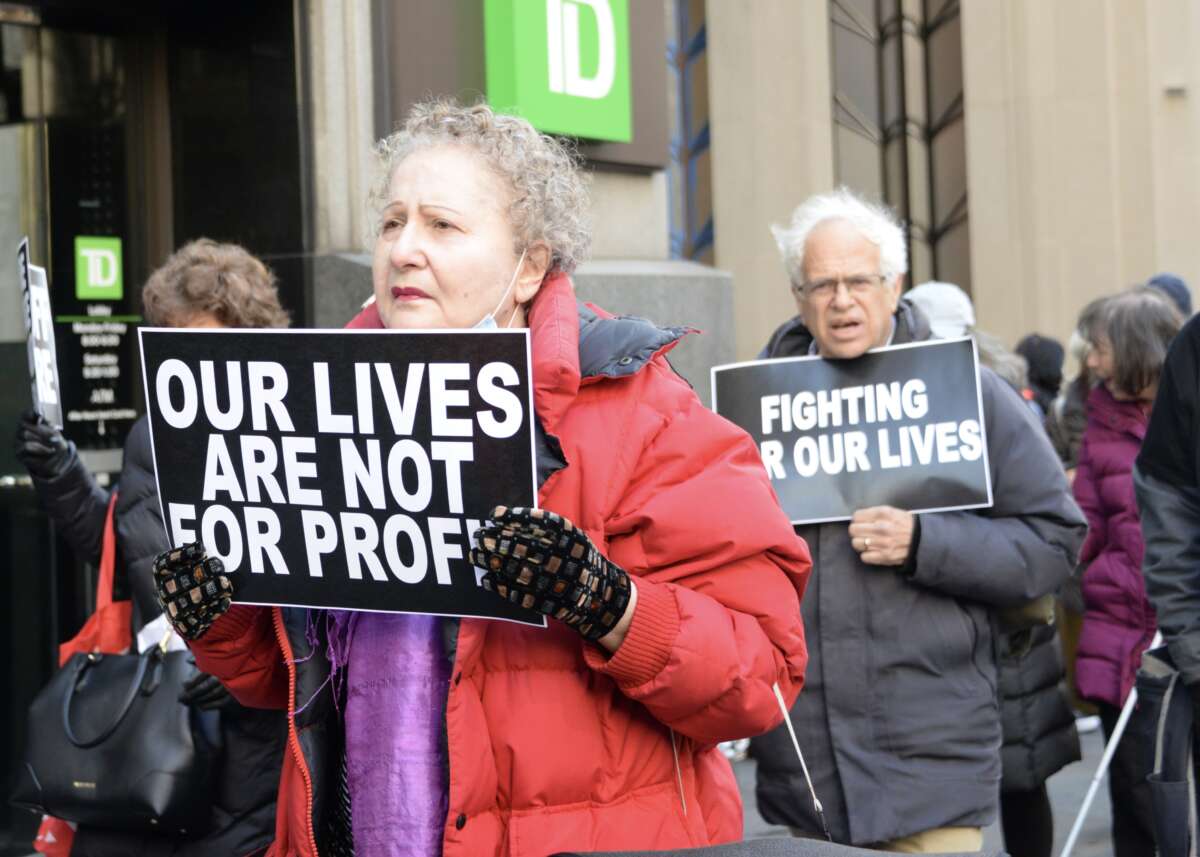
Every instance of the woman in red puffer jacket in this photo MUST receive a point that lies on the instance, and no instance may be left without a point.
(1128, 342)
(597, 733)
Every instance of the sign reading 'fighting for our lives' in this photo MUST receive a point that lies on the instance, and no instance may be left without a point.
(343, 469)
(39, 332)
(900, 426)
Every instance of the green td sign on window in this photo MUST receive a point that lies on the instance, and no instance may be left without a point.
(98, 268)
(562, 64)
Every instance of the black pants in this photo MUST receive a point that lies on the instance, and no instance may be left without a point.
(1132, 817)
(1028, 823)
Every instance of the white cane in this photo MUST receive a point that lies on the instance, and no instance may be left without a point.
(1105, 761)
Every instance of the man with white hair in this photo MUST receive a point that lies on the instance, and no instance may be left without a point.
(899, 715)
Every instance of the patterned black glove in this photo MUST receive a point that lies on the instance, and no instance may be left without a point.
(192, 589)
(41, 447)
(543, 562)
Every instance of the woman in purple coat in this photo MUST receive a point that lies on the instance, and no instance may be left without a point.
(1129, 341)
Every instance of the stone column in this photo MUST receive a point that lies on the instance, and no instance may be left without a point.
(770, 103)
(340, 112)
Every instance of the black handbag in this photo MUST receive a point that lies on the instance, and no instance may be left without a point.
(111, 745)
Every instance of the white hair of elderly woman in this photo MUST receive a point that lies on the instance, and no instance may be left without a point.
(550, 196)
(875, 222)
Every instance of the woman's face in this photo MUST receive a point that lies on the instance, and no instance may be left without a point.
(1100, 359)
(445, 252)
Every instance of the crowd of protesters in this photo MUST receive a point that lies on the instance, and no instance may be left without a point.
(934, 664)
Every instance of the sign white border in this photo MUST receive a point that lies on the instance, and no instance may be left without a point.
(987, 465)
(277, 331)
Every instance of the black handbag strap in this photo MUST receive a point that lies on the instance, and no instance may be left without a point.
(82, 666)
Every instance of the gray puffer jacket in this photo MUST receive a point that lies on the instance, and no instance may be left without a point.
(899, 718)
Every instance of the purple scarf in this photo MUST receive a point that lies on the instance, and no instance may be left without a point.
(396, 680)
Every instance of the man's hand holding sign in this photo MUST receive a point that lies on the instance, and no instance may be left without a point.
(883, 535)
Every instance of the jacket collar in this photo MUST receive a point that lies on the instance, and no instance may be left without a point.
(554, 340)
(1127, 416)
(793, 339)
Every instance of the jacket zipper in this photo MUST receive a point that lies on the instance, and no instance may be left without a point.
(293, 736)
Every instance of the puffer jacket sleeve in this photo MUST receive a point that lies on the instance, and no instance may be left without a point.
(1025, 545)
(240, 649)
(1167, 483)
(77, 505)
(1170, 515)
(719, 573)
(140, 530)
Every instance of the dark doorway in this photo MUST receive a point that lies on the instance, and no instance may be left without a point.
(150, 122)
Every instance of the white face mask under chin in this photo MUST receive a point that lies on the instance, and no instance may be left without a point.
(488, 322)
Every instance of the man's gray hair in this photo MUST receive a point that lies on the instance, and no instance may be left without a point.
(875, 223)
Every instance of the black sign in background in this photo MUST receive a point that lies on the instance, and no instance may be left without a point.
(502, 472)
(950, 371)
(45, 392)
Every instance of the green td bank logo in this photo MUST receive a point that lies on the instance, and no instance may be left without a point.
(98, 268)
(562, 64)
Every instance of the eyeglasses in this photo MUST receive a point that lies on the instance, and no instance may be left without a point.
(822, 290)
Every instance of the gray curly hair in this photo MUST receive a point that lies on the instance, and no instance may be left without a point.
(550, 198)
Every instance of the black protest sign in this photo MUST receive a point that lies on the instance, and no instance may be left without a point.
(39, 333)
(900, 426)
(342, 469)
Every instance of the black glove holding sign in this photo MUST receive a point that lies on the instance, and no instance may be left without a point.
(543, 562)
(41, 447)
(192, 588)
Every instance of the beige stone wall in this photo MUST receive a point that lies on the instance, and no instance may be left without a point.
(1083, 169)
(629, 215)
(772, 143)
(1172, 40)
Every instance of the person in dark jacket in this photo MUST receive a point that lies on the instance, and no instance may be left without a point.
(1129, 343)
(1167, 481)
(204, 284)
(1174, 288)
(1035, 712)
(1044, 358)
(899, 716)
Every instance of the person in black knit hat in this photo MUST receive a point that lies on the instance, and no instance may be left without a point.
(1045, 358)
(1176, 289)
